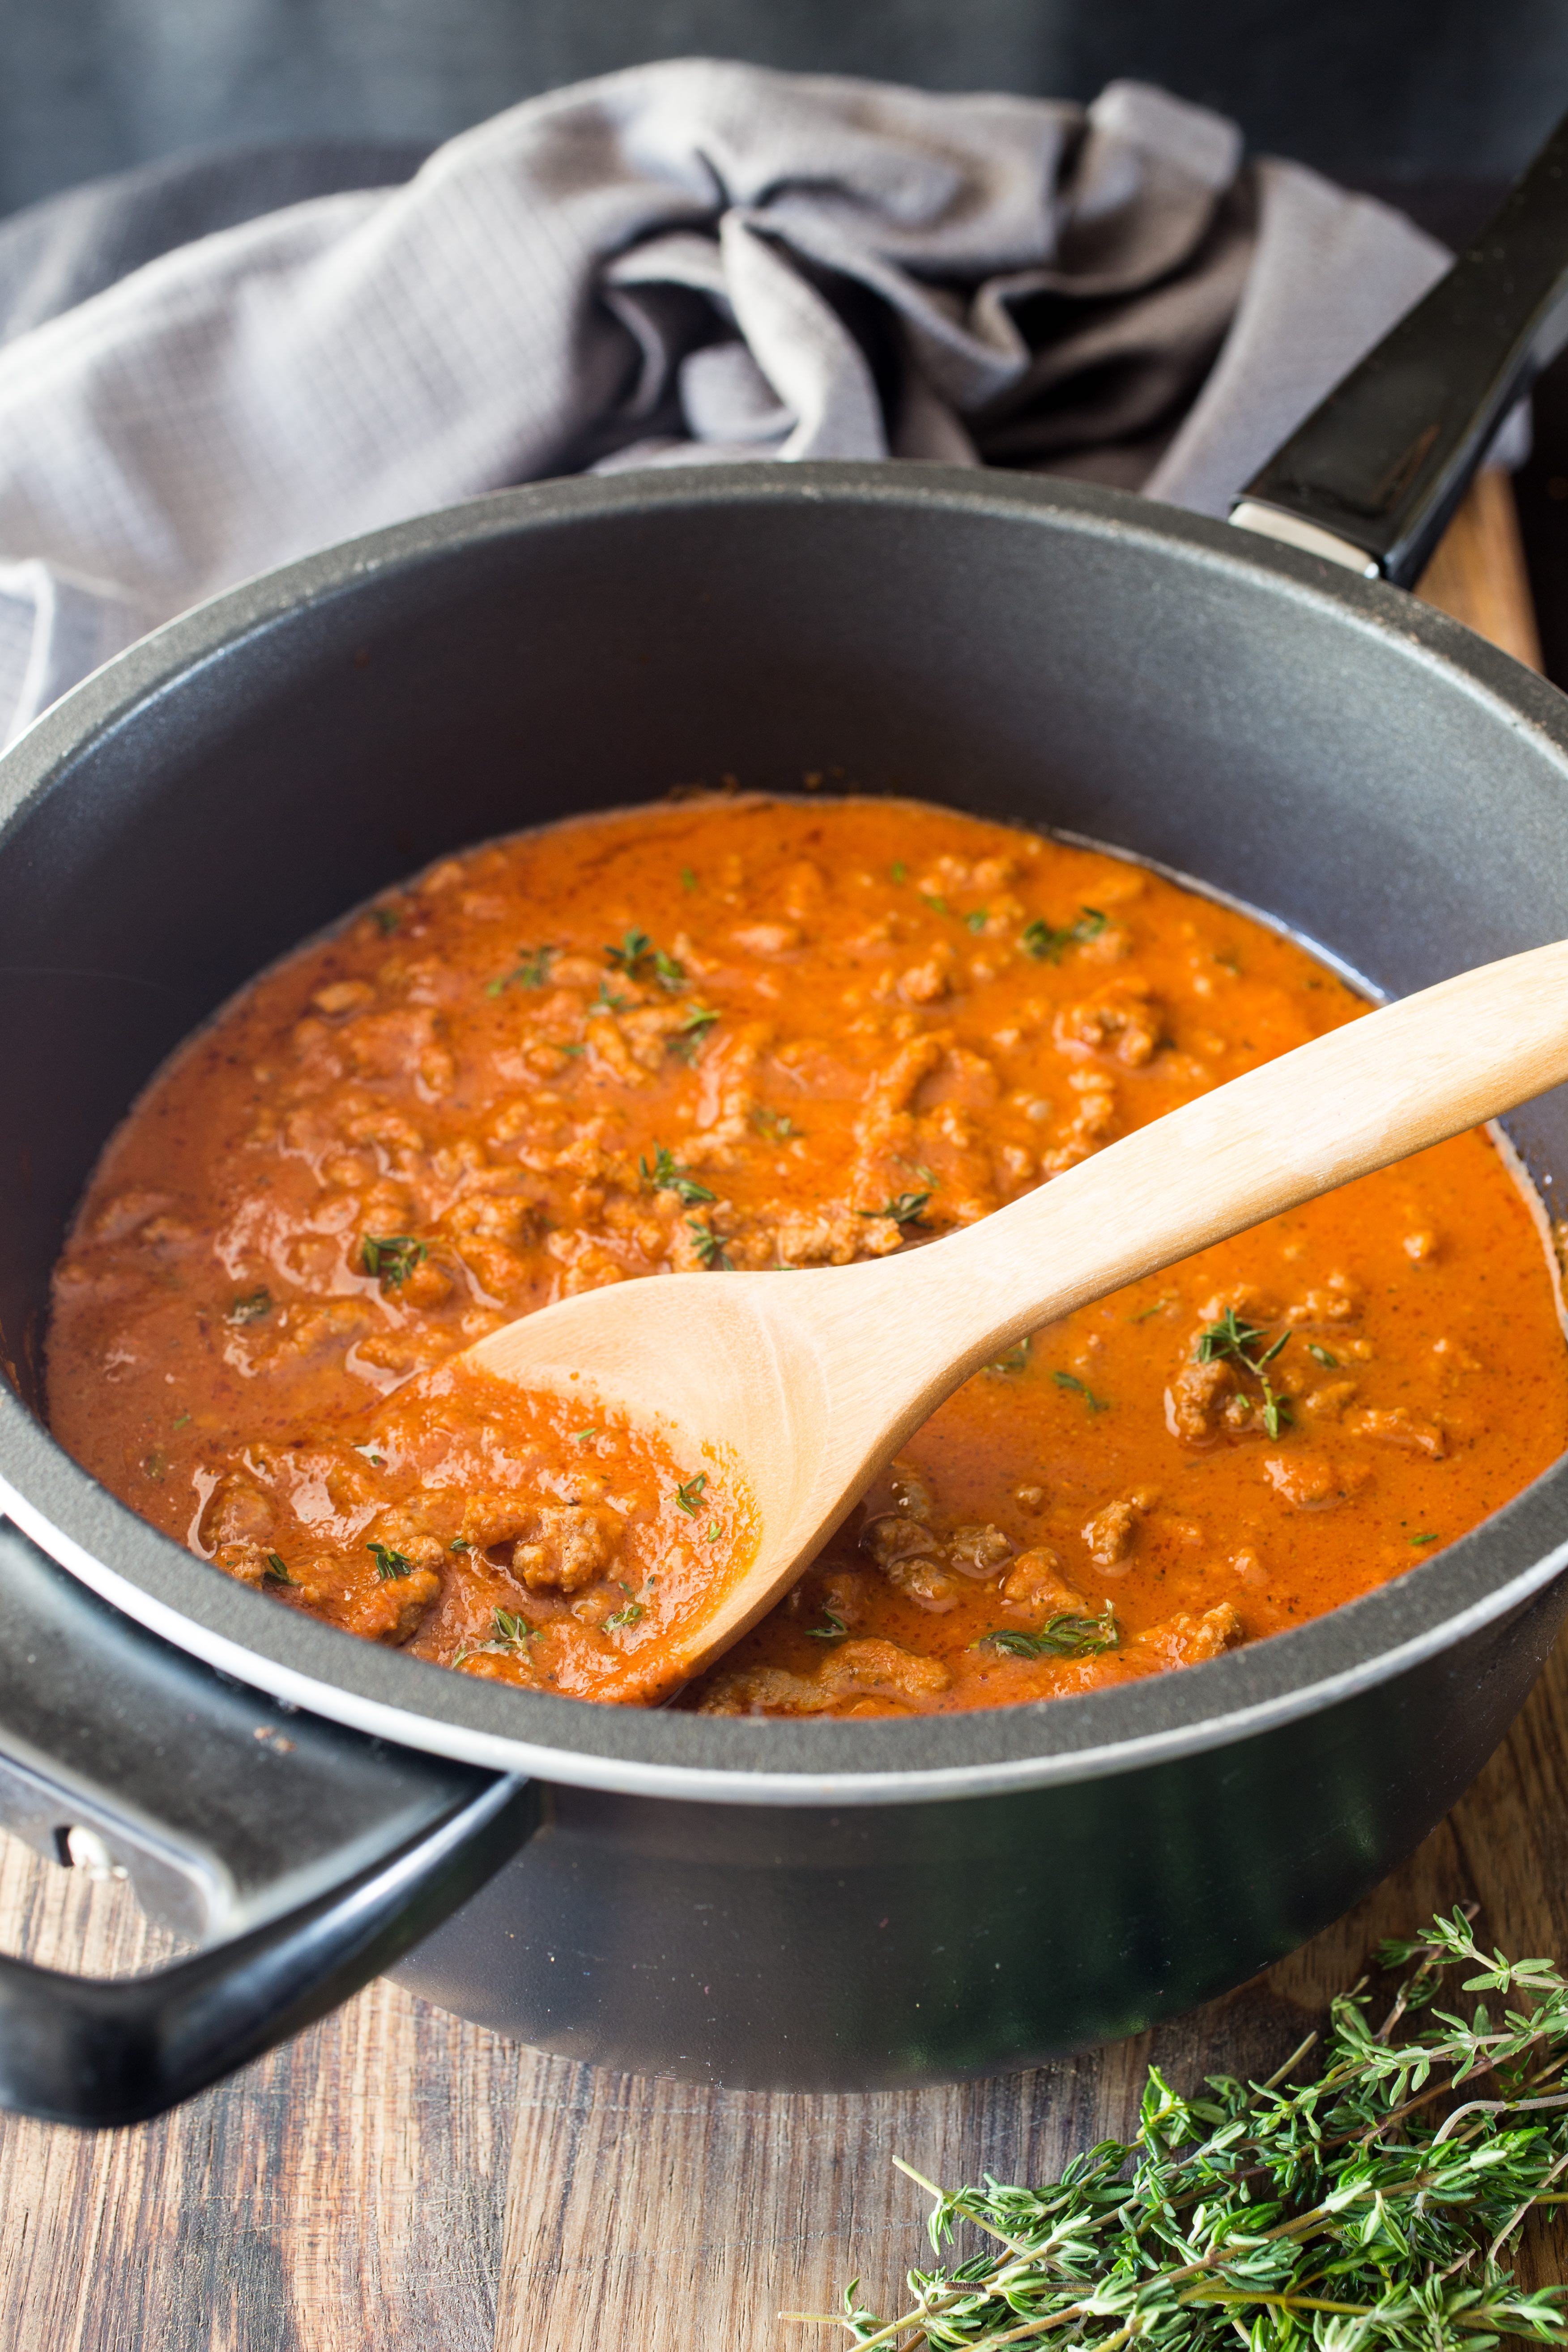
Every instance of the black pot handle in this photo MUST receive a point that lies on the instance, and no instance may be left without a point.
(1372, 477)
(318, 1855)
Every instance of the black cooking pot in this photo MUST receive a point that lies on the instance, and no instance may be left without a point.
(774, 1904)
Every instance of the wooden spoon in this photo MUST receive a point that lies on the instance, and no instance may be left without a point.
(809, 1381)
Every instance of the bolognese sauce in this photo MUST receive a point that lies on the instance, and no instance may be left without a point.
(758, 1032)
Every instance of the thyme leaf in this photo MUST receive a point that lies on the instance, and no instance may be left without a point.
(666, 1175)
(689, 1498)
(510, 1636)
(390, 1566)
(1241, 1343)
(636, 950)
(904, 1209)
(776, 1125)
(1071, 1381)
(691, 1033)
(275, 1572)
(630, 1613)
(531, 971)
(1364, 2208)
(832, 1628)
(1015, 1359)
(1322, 1356)
(391, 1257)
(1048, 946)
(1065, 1635)
(250, 1308)
(710, 1246)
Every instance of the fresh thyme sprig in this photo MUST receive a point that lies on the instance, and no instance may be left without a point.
(390, 1566)
(1239, 1343)
(1364, 2210)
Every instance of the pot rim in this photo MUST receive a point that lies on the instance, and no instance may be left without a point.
(1430, 1607)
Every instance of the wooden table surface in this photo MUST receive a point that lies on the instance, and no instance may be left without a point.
(398, 2181)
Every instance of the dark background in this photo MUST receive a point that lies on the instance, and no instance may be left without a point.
(1432, 104)
(1406, 89)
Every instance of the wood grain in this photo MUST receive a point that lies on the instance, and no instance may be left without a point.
(398, 2180)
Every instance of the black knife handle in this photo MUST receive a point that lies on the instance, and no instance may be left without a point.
(308, 1857)
(1384, 462)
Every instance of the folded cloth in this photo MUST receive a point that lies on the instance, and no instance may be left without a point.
(679, 263)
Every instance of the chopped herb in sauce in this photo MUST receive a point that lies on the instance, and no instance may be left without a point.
(936, 902)
(776, 1125)
(1047, 946)
(531, 971)
(392, 1257)
(904, 1209)
(666, 1175)
(377, 1461)
(977, 918)
(580, 1436)
(275, 1572)
(631, 1612)
(689, 1498)
(898, 870)
(1322, 1356)
(832, 1629)
(688, 880)
(1167, 1299)
(712, 1532)
(179, 1421)
(390, 1566)
(156, 1466)
(509, 1636)
(387, 919)
(637, 951)
(691, 1033)
(1233, 1341)
(710, 1247)
(1015, 1359)
(605, 1003)
(251, 1307)
(459, 1543)
(1431, 1537)
(1066, 1635)
(1071, 1380)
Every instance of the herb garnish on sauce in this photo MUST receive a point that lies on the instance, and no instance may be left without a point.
(1047, 946)
(390, 1566)
(666, 1175)
(392, 1257)
(1068, 1634)
(1239, 1343)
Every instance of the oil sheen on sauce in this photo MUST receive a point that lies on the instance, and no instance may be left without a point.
(774, 1032)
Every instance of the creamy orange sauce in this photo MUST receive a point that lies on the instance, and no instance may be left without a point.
(758, 1033)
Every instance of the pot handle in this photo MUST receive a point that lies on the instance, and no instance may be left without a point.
(318, 1854)
(1372, 477)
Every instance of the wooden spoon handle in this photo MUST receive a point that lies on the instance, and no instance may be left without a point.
(1368, 1094)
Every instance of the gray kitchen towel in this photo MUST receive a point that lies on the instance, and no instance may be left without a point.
(680, 263)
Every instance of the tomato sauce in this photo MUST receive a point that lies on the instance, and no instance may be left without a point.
(756, 1033)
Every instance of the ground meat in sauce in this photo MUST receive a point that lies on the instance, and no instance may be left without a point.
(765, 1034)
